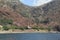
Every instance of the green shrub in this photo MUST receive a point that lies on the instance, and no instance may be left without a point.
(23, 28)
(5, 28)
(49, 28)
(36, 28)
(13, 27)
(6, 21)
(41, 28)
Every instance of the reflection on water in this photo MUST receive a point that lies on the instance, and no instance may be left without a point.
(7, 39)
(30, 36)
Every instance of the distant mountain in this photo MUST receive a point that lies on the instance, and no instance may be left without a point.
(23, 15)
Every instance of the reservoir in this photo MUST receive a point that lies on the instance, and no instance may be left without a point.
(30, 36)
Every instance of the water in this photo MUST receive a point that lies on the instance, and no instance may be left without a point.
(30, 36)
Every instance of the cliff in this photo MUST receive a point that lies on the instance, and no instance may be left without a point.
(23, 15)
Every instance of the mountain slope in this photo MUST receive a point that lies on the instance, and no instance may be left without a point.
(23, 15)
(8, 12)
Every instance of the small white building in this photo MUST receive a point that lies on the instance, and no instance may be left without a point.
(29, 27)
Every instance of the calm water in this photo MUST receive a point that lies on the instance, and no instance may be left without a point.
(30, 36)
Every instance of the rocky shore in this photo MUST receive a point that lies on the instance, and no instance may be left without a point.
(27, 31)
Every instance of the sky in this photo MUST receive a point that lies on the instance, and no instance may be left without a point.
(35, 2)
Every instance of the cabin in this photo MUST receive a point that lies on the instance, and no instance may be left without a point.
(28, 27)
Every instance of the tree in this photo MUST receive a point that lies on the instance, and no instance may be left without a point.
(5, 28)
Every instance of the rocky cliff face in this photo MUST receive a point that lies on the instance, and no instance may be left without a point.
(13, 9)
(22, 15)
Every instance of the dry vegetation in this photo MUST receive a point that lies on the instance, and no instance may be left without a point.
(14, 13)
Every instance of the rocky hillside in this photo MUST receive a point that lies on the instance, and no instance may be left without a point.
(22, 15)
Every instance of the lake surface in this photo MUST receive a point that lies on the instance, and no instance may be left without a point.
(30, 36)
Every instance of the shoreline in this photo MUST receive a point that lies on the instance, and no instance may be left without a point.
(27, 31)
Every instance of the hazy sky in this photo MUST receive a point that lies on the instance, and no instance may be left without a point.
(35, 2)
